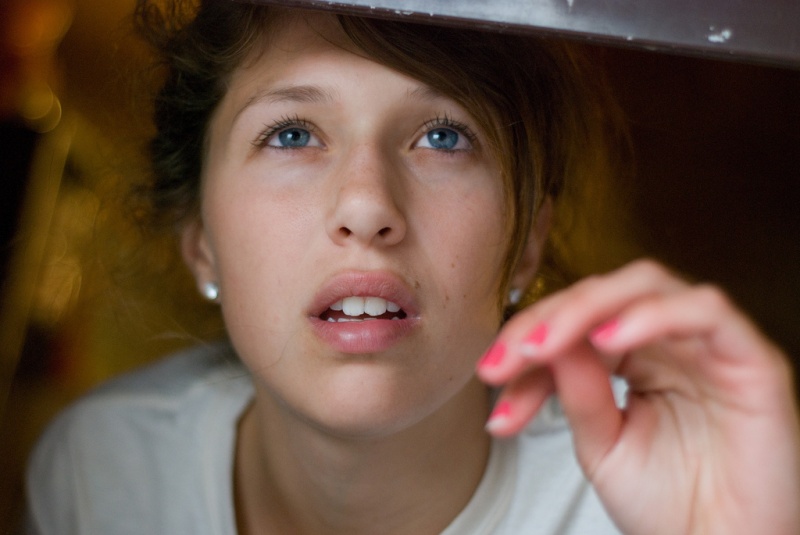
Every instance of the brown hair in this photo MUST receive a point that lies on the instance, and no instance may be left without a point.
(546, 119)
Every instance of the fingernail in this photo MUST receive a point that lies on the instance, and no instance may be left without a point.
(605, 331)
(493, 357)
(531, 343)
(499, 417)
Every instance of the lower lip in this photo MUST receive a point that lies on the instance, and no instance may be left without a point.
(361, 337)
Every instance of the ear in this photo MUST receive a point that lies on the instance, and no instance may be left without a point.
(197, 252)
(532, 254)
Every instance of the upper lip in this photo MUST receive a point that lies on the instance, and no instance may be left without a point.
(364, 283)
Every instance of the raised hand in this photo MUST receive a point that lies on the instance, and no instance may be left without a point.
(709, 440)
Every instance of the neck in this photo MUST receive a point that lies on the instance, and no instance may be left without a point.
(294, 478)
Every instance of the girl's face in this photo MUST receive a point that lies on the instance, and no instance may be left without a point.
(353, 219)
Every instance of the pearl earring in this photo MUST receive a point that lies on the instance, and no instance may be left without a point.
(210, 291)
(515, 296)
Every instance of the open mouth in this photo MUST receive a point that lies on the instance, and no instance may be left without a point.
(357, 308)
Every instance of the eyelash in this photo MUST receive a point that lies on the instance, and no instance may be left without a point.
(296, 122)
(281, 124)
(448, 122)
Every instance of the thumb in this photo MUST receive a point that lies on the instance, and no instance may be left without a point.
(584, 390)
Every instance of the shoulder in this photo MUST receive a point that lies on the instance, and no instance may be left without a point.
(153, 429)
(175, 376)
(168, 392)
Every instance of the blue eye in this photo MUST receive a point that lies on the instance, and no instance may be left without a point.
(446, 135)
(443, 138)
(289, 133)
(291, 138)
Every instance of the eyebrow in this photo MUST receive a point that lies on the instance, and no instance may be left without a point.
(425, 92)
(313, 94)
(295, 93)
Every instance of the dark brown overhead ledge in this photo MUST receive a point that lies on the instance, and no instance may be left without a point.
(754, 31)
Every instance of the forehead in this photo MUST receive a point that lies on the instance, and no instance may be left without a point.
(291, 35)
(307, 57)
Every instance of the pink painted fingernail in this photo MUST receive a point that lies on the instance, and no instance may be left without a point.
(499, 417)
(493, 357)
(605, 332)
(531, 343)
(537, 336)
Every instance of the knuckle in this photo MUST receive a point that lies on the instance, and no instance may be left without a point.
(650, 270)
(711, 297)
(588, 285)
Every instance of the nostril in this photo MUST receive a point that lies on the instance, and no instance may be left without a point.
(384, 231)
(345, 232)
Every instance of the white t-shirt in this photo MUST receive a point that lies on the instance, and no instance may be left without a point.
(152, 452)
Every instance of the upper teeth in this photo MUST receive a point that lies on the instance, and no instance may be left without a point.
(373, 306)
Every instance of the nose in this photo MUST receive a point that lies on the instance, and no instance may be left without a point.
(367, 206)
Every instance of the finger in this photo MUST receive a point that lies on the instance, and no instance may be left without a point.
(701, 336)
(574, 313)
(546, 330)
(587, 398)
(519, 402)
(696, 311)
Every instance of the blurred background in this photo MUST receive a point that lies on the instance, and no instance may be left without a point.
(82, 296)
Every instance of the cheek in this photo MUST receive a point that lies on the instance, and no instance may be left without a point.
(253, 223)
(469, 253)
(260, 243)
